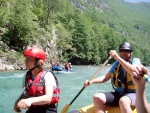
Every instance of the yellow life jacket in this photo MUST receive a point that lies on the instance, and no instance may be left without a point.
(126, 82)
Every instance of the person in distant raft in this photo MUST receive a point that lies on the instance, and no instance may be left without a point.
(124, 94)
(41, 89)
(68, 66)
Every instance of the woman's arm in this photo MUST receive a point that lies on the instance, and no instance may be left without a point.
(50, 84)
(41, 100)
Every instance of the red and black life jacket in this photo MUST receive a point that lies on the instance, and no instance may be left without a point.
(36, 87)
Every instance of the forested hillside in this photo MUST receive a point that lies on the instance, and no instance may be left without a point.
(85, 29)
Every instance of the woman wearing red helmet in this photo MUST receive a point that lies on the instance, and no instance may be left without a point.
(39, 85)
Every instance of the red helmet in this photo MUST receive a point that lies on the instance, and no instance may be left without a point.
(35, 52)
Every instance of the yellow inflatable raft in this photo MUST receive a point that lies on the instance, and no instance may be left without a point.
(90, 109)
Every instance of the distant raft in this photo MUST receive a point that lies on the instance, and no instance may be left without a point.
(60, 69)
(90, 109)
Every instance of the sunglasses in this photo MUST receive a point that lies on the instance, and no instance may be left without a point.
(125, 51)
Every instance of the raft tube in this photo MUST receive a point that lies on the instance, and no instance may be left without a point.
(90, 109)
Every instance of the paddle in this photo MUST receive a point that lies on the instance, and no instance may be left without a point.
(65, 109)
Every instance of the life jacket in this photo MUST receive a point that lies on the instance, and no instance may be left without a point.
(121, 78)
(36, 87)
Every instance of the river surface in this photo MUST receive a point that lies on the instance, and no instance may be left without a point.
(70, 84)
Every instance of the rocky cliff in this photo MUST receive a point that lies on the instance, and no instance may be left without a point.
(12, 60)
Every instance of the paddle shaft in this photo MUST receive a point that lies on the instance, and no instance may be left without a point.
(77, 95)
(91, 78)
(100, 69)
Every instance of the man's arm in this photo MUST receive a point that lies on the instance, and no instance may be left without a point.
(135, 71)
(101, 79)
(127, 66)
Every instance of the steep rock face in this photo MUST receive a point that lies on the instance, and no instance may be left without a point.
(6, 67)
(10, 61)
(2, 65)
(82, 5)
(51, 49)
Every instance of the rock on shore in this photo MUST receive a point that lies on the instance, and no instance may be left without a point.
(6, 66)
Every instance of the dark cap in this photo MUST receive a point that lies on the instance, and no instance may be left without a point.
(125, 46)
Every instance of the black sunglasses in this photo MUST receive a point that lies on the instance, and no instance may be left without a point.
(122, 50)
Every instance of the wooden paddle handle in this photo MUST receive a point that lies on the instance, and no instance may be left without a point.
(65, 109)
(100, 68)
(92, 78)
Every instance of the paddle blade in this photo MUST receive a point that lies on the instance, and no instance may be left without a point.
(134, 111)
(65, 109)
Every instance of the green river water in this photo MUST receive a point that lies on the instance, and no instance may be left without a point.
(70, 84)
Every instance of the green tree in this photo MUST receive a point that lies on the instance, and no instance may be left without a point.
(81, 39)
(20, 24)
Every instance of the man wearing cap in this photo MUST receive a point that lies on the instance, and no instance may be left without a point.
(124, 89)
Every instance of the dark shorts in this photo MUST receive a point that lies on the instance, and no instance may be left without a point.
(112, 98)
(43, 109)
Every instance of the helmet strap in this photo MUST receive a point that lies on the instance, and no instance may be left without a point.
(30, 70)
(35, 66)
